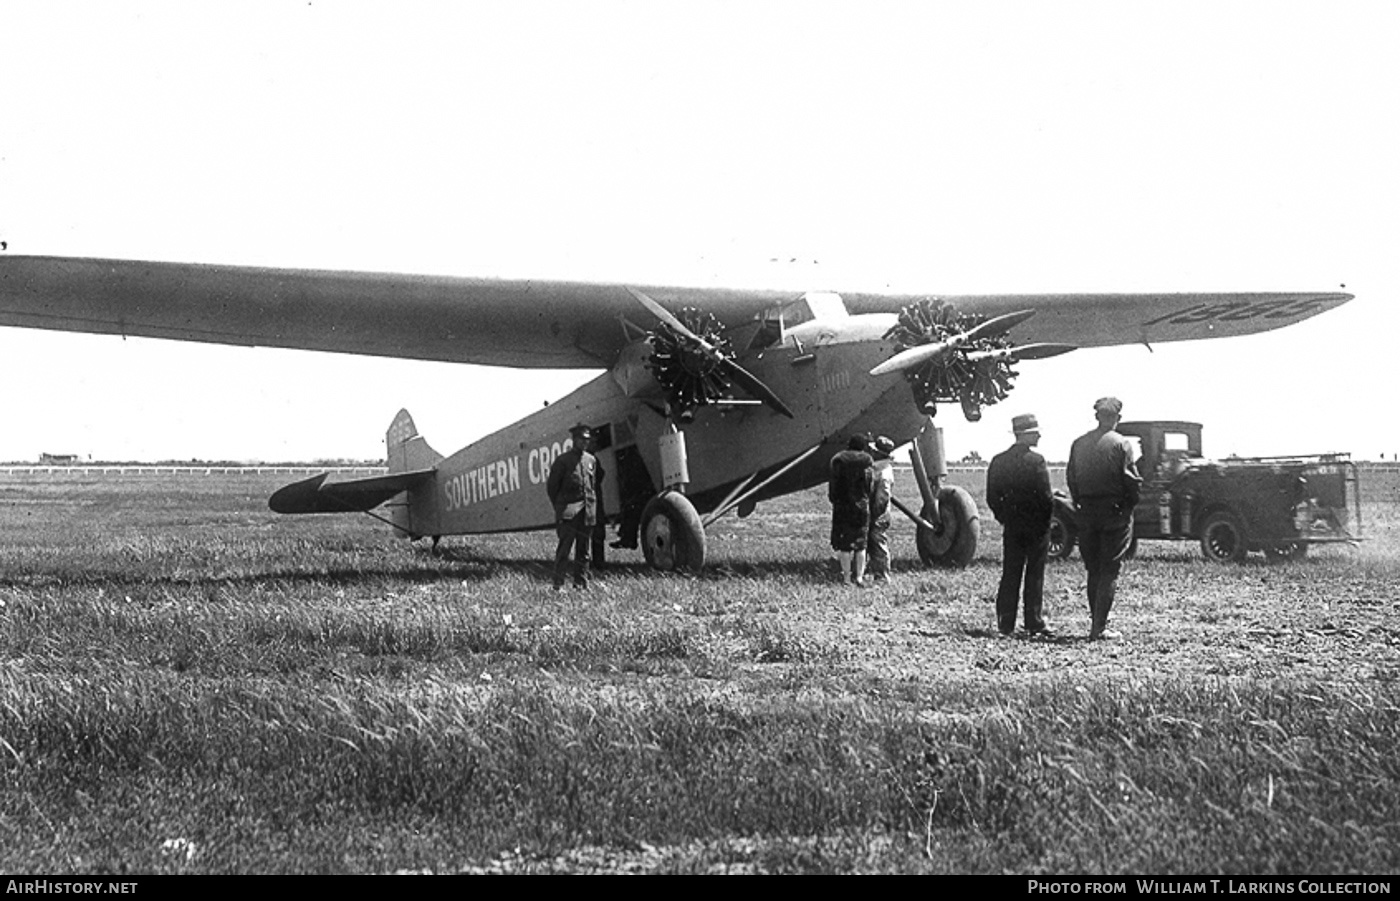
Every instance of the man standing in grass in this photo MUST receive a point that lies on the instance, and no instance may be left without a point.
(849, 493)
(1018, 491)
(1104, 483)
(881, 489)
(572, 487)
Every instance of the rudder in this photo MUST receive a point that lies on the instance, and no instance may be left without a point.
(406, 451)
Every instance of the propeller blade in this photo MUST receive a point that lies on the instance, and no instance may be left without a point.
(1025, 352)
(996, 326)
(912, 357)
(751, 383)
(747, 380)
(670, 319)
(917, 356)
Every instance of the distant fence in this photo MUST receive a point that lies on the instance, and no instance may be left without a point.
(144, 470)
(1362, 465)
(971, 468)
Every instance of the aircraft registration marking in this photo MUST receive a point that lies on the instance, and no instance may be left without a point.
(836, 381)
(1239, 311)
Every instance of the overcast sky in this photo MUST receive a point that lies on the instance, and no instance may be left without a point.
(939, 147)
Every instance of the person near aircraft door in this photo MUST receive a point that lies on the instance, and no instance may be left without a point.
(634, 484)
(848, 489)
(882, 489)
(598, 537)
(572, 487)
(1104, 483)
(1018, 493)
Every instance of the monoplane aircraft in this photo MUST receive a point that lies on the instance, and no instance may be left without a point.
(710, 400)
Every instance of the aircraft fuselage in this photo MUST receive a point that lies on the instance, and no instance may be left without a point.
(820, 369)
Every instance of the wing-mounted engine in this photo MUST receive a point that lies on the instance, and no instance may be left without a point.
(947, 356)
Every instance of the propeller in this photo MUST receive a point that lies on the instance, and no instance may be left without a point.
(720, 358)
(949, 357)
(916, 356)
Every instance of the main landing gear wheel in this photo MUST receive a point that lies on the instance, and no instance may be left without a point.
(1062, 536)
(672, 537)
(1222, 538)
(956, 545)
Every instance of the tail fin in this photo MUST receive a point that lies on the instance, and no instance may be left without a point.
(405, 449)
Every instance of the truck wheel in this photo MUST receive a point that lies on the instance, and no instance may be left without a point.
(1222, 538)
(672, 536)
(956, 545)
(1282, 553)
(1062, 536)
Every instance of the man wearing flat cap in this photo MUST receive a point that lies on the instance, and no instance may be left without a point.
(572, 487)
(1018, 491)
(1104, 483)
(877, 542)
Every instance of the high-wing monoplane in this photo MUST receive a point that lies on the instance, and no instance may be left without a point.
(709, 401)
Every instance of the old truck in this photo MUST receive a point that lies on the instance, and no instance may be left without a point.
(1277, 505)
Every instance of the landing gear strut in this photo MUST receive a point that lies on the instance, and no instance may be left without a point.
(952, 543)
(948, 525)
(672, 535)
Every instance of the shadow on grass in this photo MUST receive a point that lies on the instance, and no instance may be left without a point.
(421, 565)
(1056, 638)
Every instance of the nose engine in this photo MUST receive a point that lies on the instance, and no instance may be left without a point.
(694, 364)
(691, 373)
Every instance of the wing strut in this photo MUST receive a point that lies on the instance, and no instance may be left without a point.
(731, 502)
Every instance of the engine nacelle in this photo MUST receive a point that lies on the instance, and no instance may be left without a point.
(632, 372)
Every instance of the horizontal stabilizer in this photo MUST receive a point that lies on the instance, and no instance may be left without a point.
(316, 495)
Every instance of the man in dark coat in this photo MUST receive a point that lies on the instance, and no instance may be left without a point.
(849, 492)
(572, 487)
(1103, 480)
(1018, 491)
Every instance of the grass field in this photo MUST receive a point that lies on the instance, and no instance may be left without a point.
(189, 683)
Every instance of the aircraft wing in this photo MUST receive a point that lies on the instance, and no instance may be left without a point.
(1102, 320)
(525, 323)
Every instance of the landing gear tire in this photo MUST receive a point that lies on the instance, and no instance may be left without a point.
(1222, 538)
(956, 545)
(673, 540)
(1284, 552)
(1062, 537)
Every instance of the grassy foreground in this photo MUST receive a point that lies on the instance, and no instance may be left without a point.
(191, 684)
